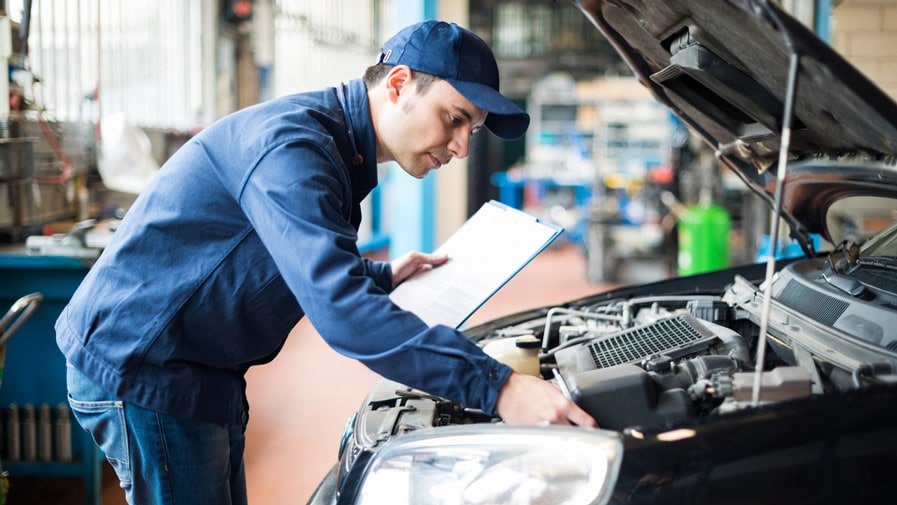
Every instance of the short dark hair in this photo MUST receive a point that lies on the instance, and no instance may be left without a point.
(375, 73)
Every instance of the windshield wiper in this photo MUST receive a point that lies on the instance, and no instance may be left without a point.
(843, 283)
(886, 262)
(843, 257)
(838, 262)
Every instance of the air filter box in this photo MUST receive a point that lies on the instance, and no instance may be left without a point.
(626, 396)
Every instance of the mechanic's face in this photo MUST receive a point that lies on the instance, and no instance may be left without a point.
(425, 131)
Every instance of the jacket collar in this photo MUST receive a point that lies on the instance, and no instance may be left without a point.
(363, 161)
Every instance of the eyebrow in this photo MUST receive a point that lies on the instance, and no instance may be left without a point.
(464, 112)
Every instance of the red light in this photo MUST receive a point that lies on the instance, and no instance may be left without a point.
(242, 9)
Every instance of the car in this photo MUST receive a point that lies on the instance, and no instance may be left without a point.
(764, 383)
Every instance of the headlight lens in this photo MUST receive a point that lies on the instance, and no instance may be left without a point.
(495, 465)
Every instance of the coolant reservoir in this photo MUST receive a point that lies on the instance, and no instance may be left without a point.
(519, 353)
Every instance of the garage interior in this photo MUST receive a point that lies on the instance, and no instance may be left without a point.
(601, 160)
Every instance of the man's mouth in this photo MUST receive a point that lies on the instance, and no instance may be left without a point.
(437, 162)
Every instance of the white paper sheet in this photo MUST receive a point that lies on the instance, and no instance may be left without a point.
(484, 254)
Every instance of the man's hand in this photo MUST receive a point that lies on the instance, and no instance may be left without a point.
(413, 262)
(525, 399)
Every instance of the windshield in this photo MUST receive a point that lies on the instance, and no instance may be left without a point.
(857, 218)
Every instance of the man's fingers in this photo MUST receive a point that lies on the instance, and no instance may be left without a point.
(432, 259)
(580, 418)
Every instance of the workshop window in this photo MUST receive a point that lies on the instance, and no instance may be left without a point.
(316, 47)
(92, 58)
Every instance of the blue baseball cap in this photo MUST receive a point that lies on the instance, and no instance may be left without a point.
(465, 61)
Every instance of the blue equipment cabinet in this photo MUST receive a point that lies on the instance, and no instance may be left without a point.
(35, 368)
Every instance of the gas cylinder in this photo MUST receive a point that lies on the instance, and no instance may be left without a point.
(703, 237)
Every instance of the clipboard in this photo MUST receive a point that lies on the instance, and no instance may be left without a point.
(487, 251)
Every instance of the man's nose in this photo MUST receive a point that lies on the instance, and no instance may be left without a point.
(459, 145)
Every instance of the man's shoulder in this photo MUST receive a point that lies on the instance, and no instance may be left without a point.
(324, 99)
(311, 114)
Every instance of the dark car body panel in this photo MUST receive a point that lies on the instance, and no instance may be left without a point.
(837, 449)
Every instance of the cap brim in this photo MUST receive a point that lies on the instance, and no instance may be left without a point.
(505, 118)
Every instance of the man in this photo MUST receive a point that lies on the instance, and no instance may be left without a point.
(251, 225)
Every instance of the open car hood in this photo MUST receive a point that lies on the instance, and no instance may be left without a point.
(722, 67)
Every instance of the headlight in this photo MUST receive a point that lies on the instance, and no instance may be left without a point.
(495, 465)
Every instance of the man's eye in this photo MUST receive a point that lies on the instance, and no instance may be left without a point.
(454, 120)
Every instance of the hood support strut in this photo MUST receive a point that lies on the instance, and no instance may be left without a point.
(790, 98)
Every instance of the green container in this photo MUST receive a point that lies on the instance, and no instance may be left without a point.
(703, 239)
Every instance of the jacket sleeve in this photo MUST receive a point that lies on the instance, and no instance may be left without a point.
(380, 272)
(298, 201)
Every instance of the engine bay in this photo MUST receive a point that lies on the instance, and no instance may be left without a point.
(653, 361)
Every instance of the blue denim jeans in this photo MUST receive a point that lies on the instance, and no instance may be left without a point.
(160, 459)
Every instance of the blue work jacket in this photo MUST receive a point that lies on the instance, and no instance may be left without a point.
(249, 226)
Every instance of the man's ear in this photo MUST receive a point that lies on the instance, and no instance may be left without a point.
(397, 80)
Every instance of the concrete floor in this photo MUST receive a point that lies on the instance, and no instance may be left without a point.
(300, 402)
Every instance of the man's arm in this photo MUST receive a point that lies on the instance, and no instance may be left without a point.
(523, 399)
